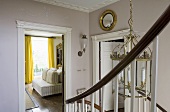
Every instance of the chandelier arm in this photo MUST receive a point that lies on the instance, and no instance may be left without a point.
(147, 47)
(133, 43)
(115, 48)
(121, 49)
(136, 40)
(125, 44)
(127, 41)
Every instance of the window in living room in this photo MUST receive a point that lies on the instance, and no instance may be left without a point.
(40, 54)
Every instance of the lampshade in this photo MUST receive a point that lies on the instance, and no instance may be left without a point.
(84, 42)
(83, 45)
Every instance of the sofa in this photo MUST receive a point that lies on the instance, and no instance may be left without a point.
(49, 83)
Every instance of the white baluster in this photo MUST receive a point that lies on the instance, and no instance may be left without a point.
(154, 75)
(133, 79)
(67, 107)
(103, 101)
(75, 106)
(144, 105)
(92, 102)
(139, 104)
(83, 105)
(149, 106)
(116, 94)
(79, 107)
(86, 108)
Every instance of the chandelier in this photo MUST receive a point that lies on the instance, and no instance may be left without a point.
(143, 63)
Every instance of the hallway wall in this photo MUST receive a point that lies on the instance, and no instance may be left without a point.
(31, 11)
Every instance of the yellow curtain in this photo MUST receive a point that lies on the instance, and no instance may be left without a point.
(28, 60)
(51, 53)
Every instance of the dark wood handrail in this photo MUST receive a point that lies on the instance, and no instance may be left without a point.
(158, 26)
(157, 105)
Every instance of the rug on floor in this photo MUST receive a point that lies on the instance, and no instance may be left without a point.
(30, 102)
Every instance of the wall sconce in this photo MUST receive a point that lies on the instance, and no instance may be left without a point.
(83, 45)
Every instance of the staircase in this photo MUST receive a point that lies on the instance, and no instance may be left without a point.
(79, 104)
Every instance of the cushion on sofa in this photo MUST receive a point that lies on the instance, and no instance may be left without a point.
(44, 74)
(52, 77)
(59, 72)
(53, 69)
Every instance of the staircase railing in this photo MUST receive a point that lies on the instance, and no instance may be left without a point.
(154, 31)
(87, 106)
(157, 105)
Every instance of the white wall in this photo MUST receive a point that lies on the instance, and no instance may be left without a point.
(146, 12)
(31, 11)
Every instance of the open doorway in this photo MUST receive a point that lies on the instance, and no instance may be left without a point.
(43, 70)
(106, 64)
(102, 48)
(22, 26)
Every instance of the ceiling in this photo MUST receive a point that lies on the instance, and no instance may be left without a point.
(81, 5)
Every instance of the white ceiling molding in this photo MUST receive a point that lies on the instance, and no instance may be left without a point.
(80, 7)
(62, 4)
(100, 5)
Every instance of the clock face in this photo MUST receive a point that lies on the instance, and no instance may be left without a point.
(108, 20)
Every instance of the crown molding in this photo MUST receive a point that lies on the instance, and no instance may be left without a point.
(66, 5)
(103, 4)
(76, 7)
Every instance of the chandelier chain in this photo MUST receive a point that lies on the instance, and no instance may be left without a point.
(130, 22)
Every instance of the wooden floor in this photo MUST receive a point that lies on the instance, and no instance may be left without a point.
(50, 103)
(46, 104)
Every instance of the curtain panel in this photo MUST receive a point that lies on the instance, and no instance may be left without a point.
(51, 53)
(28, 60)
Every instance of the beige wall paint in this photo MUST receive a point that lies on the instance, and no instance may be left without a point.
(145, 14)
(31, 11)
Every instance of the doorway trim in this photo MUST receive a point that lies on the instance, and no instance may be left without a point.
(103, 37)
(99, 38)
(21, 27)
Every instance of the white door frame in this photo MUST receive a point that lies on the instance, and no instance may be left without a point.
(96, 39)
(21, 27)
(103, 37)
